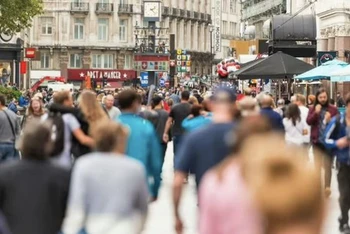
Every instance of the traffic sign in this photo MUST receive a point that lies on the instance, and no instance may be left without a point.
(144, 65)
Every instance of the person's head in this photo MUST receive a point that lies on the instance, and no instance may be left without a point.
(193, 100)
(206, 105)
(109, 101)
(2, 101)
(35, 142)
(35, 107)
(91, 108)
(157, 102)
(281, 102)
(322, 98)
(311, 99)
(248, 106)
(287, 190)
(223, 101)
(332, 101)
(338, 94)
(196, 110)
(266, 101)
(110, 137)
(300, 100)
(129, 100)
(63, 98)
(185, 95)
(170, 102)
(247, 91)
(293, 113)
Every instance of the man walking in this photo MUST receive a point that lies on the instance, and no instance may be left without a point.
(113, 111)
(9, 130)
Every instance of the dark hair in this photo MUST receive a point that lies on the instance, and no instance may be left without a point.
(293, 113)
(319, 92)
(35, 142)
(331, 101)
(196, 110)
(61, 97)
(156, 101)
(127, 98)
(185, 95)
(2, 100)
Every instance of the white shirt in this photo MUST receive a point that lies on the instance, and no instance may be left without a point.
(304, 111)
(294, 134)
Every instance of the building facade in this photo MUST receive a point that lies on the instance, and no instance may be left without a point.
(96, 35)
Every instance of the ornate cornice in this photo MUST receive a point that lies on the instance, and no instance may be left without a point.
(335, 31)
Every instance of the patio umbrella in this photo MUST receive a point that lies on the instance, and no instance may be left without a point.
(276, 66)
(323, 71)
(341, 75)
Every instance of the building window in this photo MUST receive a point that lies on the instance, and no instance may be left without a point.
(102, 61)
(224, 27)
(76, 61)
(233, 6)
(45, 60)
(46, 25)
(128, 61)
(123, 28)
(103, 29)
(79, 25)
(224, 6)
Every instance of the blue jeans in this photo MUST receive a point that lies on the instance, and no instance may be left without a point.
(8, 152)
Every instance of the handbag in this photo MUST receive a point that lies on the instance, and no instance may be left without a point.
(13, 132)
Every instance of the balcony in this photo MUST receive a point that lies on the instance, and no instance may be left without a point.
(125, 9)
(253, 10)
(188, 14)
(208, 18)
(203, 16)
(182, 13)
(196, 15)
(104, 8)
(79, 7)
(175, 12)
(166, 11)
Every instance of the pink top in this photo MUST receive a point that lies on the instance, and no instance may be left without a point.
(226, 206)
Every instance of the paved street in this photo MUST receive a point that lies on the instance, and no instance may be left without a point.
(161, 218)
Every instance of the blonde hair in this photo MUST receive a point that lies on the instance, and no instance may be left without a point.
(193, 100)
(287, 189)
(91, 108)
(100, 97)
(30, 111)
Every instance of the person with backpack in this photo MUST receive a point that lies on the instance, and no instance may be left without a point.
(64, 126)
(337, 140)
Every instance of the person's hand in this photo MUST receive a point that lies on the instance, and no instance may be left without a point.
(327, 117)
(190, 117)
(305, 132)
(166, 138)
(178, 226)
(342, 143)
(318, 108)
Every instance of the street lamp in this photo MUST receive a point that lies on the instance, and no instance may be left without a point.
(211, 30)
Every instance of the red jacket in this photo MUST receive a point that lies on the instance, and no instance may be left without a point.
(313, 119)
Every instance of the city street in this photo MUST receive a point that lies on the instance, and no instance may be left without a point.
(161, 217)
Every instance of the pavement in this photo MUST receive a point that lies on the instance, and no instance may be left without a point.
(161, 216)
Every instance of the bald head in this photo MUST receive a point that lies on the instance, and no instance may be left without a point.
(109, 101)
(266, 101)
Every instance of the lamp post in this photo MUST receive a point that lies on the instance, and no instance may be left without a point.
(211, 30)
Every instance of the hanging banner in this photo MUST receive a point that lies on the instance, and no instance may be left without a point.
(217, 25)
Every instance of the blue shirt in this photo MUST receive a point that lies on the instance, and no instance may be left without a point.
(144, 146)
(274, 118)
(192, 124)
(203, 149)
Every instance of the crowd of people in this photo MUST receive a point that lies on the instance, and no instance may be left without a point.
(91, 162)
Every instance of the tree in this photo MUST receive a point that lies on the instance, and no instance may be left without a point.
(16, 15)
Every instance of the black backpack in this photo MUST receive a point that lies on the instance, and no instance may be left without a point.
(57, 133)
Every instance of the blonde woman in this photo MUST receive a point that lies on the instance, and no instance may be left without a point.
(35, 110)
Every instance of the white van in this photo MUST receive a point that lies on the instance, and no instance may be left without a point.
(60, 86)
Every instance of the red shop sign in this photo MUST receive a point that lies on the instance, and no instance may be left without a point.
(112, 75)
(30, 52)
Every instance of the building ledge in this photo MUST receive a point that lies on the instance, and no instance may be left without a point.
(332, 12)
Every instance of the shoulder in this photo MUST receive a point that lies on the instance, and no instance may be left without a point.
(332, 109)
(10, 113)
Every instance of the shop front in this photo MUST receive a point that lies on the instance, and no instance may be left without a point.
(113, 78)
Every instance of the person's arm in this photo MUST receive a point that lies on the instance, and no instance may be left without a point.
(330, 143)
(75, 215)
(142, 199)
(78, 133)
(312, 117)
(168, 124)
